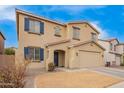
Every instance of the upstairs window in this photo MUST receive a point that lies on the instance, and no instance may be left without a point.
(33, 26)
(111, 46)
(57, 31)
(94, 37)
(114, 47)
(76, 33)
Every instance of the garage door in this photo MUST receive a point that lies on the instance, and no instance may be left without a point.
(89, 59)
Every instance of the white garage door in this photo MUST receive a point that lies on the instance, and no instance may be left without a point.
(89, 59)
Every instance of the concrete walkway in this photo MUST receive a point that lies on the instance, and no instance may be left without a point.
(33, 70)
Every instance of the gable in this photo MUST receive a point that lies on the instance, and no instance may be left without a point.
(90, 47)
(86, 24)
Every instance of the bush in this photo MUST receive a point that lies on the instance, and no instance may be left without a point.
(12, 76)
(9, 51)
(51, 67)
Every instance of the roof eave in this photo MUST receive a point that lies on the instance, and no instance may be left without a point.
(2, 35)
(33, 15)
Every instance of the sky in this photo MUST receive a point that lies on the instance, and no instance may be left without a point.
(108, 20)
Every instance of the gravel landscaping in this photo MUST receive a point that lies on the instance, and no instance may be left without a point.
(82, 79)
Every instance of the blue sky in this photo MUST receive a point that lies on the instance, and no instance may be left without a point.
(109, 20)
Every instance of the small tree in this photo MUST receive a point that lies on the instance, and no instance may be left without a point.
(9, 51)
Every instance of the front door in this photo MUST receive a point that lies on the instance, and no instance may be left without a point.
(56, 58)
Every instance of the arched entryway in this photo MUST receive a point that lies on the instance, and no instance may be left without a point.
(59, 58)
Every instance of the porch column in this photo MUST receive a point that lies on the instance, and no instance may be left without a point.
(67, 56)
(50, 57)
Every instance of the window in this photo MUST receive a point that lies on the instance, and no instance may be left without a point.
(94, 36)
(57, 31)
(114, 47)
(34, 54)
(76, 33)
(34, 26)
(111, 46)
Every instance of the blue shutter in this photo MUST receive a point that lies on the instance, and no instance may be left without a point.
(26, 52)
(41, 54)
(26, 27)
(42, 27)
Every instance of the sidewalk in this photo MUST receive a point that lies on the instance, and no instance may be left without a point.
(119, 85)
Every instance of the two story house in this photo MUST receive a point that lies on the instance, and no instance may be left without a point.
(2, 39)
(120, 50)
(113, 53)
(70, 45)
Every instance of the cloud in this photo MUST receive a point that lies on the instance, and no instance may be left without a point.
(73, 9)
(103, 32)
(7, 12)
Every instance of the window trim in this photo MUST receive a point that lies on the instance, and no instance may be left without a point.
(34, 22)
(92, 37)
(34, 53)
(55, 34)
(114, 47)
(111, 46)
(76, 29)
(35, 32)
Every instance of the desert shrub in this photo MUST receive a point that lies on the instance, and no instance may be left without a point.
(51, 67)
(9, 51)
(12, 76)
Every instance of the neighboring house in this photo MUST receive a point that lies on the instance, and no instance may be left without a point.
(120, 49)
(2, 39)
(71, 45)
(113, 51)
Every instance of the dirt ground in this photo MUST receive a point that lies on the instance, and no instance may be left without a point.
(82, 79)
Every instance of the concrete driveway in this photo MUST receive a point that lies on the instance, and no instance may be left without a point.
(111, 71)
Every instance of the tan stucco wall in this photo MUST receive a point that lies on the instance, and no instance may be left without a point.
(85, 32)
(27, 39)
(61, 47)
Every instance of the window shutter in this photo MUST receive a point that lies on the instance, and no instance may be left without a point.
(26, 28)
(26, 52)
(42, 27)
(41, 54)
